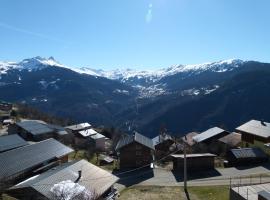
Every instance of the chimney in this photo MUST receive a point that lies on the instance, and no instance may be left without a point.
(79, 176)
(262, 123)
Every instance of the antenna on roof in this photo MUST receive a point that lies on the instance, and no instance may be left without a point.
(79, 176)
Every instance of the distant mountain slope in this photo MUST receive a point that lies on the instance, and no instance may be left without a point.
(182, 97)
(63, 92)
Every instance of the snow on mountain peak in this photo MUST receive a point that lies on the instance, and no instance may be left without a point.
(29, 64)
(153, 75)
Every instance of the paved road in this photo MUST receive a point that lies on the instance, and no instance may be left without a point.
(222, 176)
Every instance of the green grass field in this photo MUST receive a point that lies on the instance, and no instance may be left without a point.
(177, 193)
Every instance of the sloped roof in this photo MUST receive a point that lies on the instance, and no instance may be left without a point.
(136, 137)
(77, 127)
(9, 142)
(248, 153)
(35, 127)
(255, 127)
(212, 132)
(92, 178)
(193, 155)
(17, 160)
(88, 132)
(232, 139)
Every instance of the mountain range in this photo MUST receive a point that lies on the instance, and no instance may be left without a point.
(180, 98)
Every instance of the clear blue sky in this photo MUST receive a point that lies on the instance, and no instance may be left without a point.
(135, 33)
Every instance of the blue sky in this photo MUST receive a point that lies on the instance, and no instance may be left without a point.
(135, 33)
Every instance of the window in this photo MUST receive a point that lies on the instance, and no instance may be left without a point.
(138, 153)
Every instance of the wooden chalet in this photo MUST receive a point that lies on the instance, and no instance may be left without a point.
(255, 133)
(207, 141)
(94, 179)
(195, 162)
(26, 161)
(135, 151)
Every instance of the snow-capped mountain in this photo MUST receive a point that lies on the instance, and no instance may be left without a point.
(155, 75)
(199, 95)
(29, 64)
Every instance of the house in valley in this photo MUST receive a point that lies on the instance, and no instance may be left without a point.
(255, 134)
(91, 180)
(21, 163)
(135, 150)
(207, 141)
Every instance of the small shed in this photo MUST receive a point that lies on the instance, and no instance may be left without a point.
(9, 142)
(195, 162)
(246, 156)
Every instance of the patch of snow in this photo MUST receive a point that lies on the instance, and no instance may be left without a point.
(69, 190)
(121, 91)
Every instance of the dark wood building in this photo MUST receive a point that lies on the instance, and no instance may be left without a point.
(195, 162)
(255, 133)
(246, 156)
(207, 141)
(135, 151)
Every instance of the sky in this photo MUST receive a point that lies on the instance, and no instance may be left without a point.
(143, 34)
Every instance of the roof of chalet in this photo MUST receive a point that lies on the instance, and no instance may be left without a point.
(18, 160)
(97, 136)
(159, 139)
(87, 132)
(255, 127)
(93, 178)
(232, 140)
(78, 127)
(193, 155)
(212, 132)
(9, 142)
(35, 127)
(248, 153)
(137, 137)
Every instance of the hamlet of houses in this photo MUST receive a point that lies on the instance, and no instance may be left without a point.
(37, 157)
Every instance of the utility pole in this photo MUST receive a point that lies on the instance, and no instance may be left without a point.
(185, 165)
